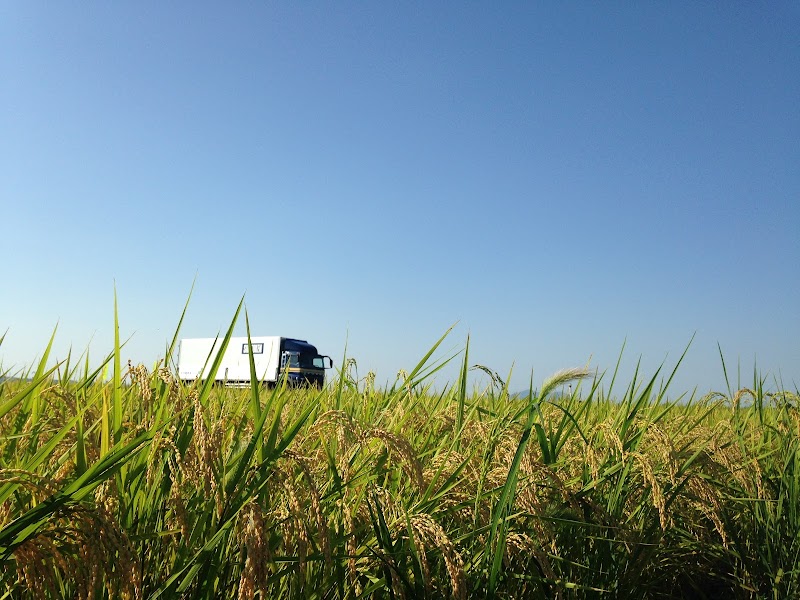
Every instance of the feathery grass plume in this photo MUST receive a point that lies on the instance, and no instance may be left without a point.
(563, 377)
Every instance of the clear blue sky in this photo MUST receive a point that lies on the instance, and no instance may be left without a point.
(555, 177)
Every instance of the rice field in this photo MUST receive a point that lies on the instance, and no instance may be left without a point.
(122, 482)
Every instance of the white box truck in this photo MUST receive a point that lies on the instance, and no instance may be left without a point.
(273, 357)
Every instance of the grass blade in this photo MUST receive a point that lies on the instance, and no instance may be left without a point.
(208, 384)
(116, 396)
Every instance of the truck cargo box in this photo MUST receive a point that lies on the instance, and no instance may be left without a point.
(272, 355)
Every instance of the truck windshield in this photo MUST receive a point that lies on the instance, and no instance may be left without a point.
(301, 360)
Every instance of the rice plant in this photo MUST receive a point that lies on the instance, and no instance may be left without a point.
(139, 486)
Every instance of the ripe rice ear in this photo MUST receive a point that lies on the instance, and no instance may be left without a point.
(432, 534)
(400, 447)
(254, 537)
(315, 505)
(656, 493)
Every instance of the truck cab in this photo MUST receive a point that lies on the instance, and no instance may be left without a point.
(302, 364)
